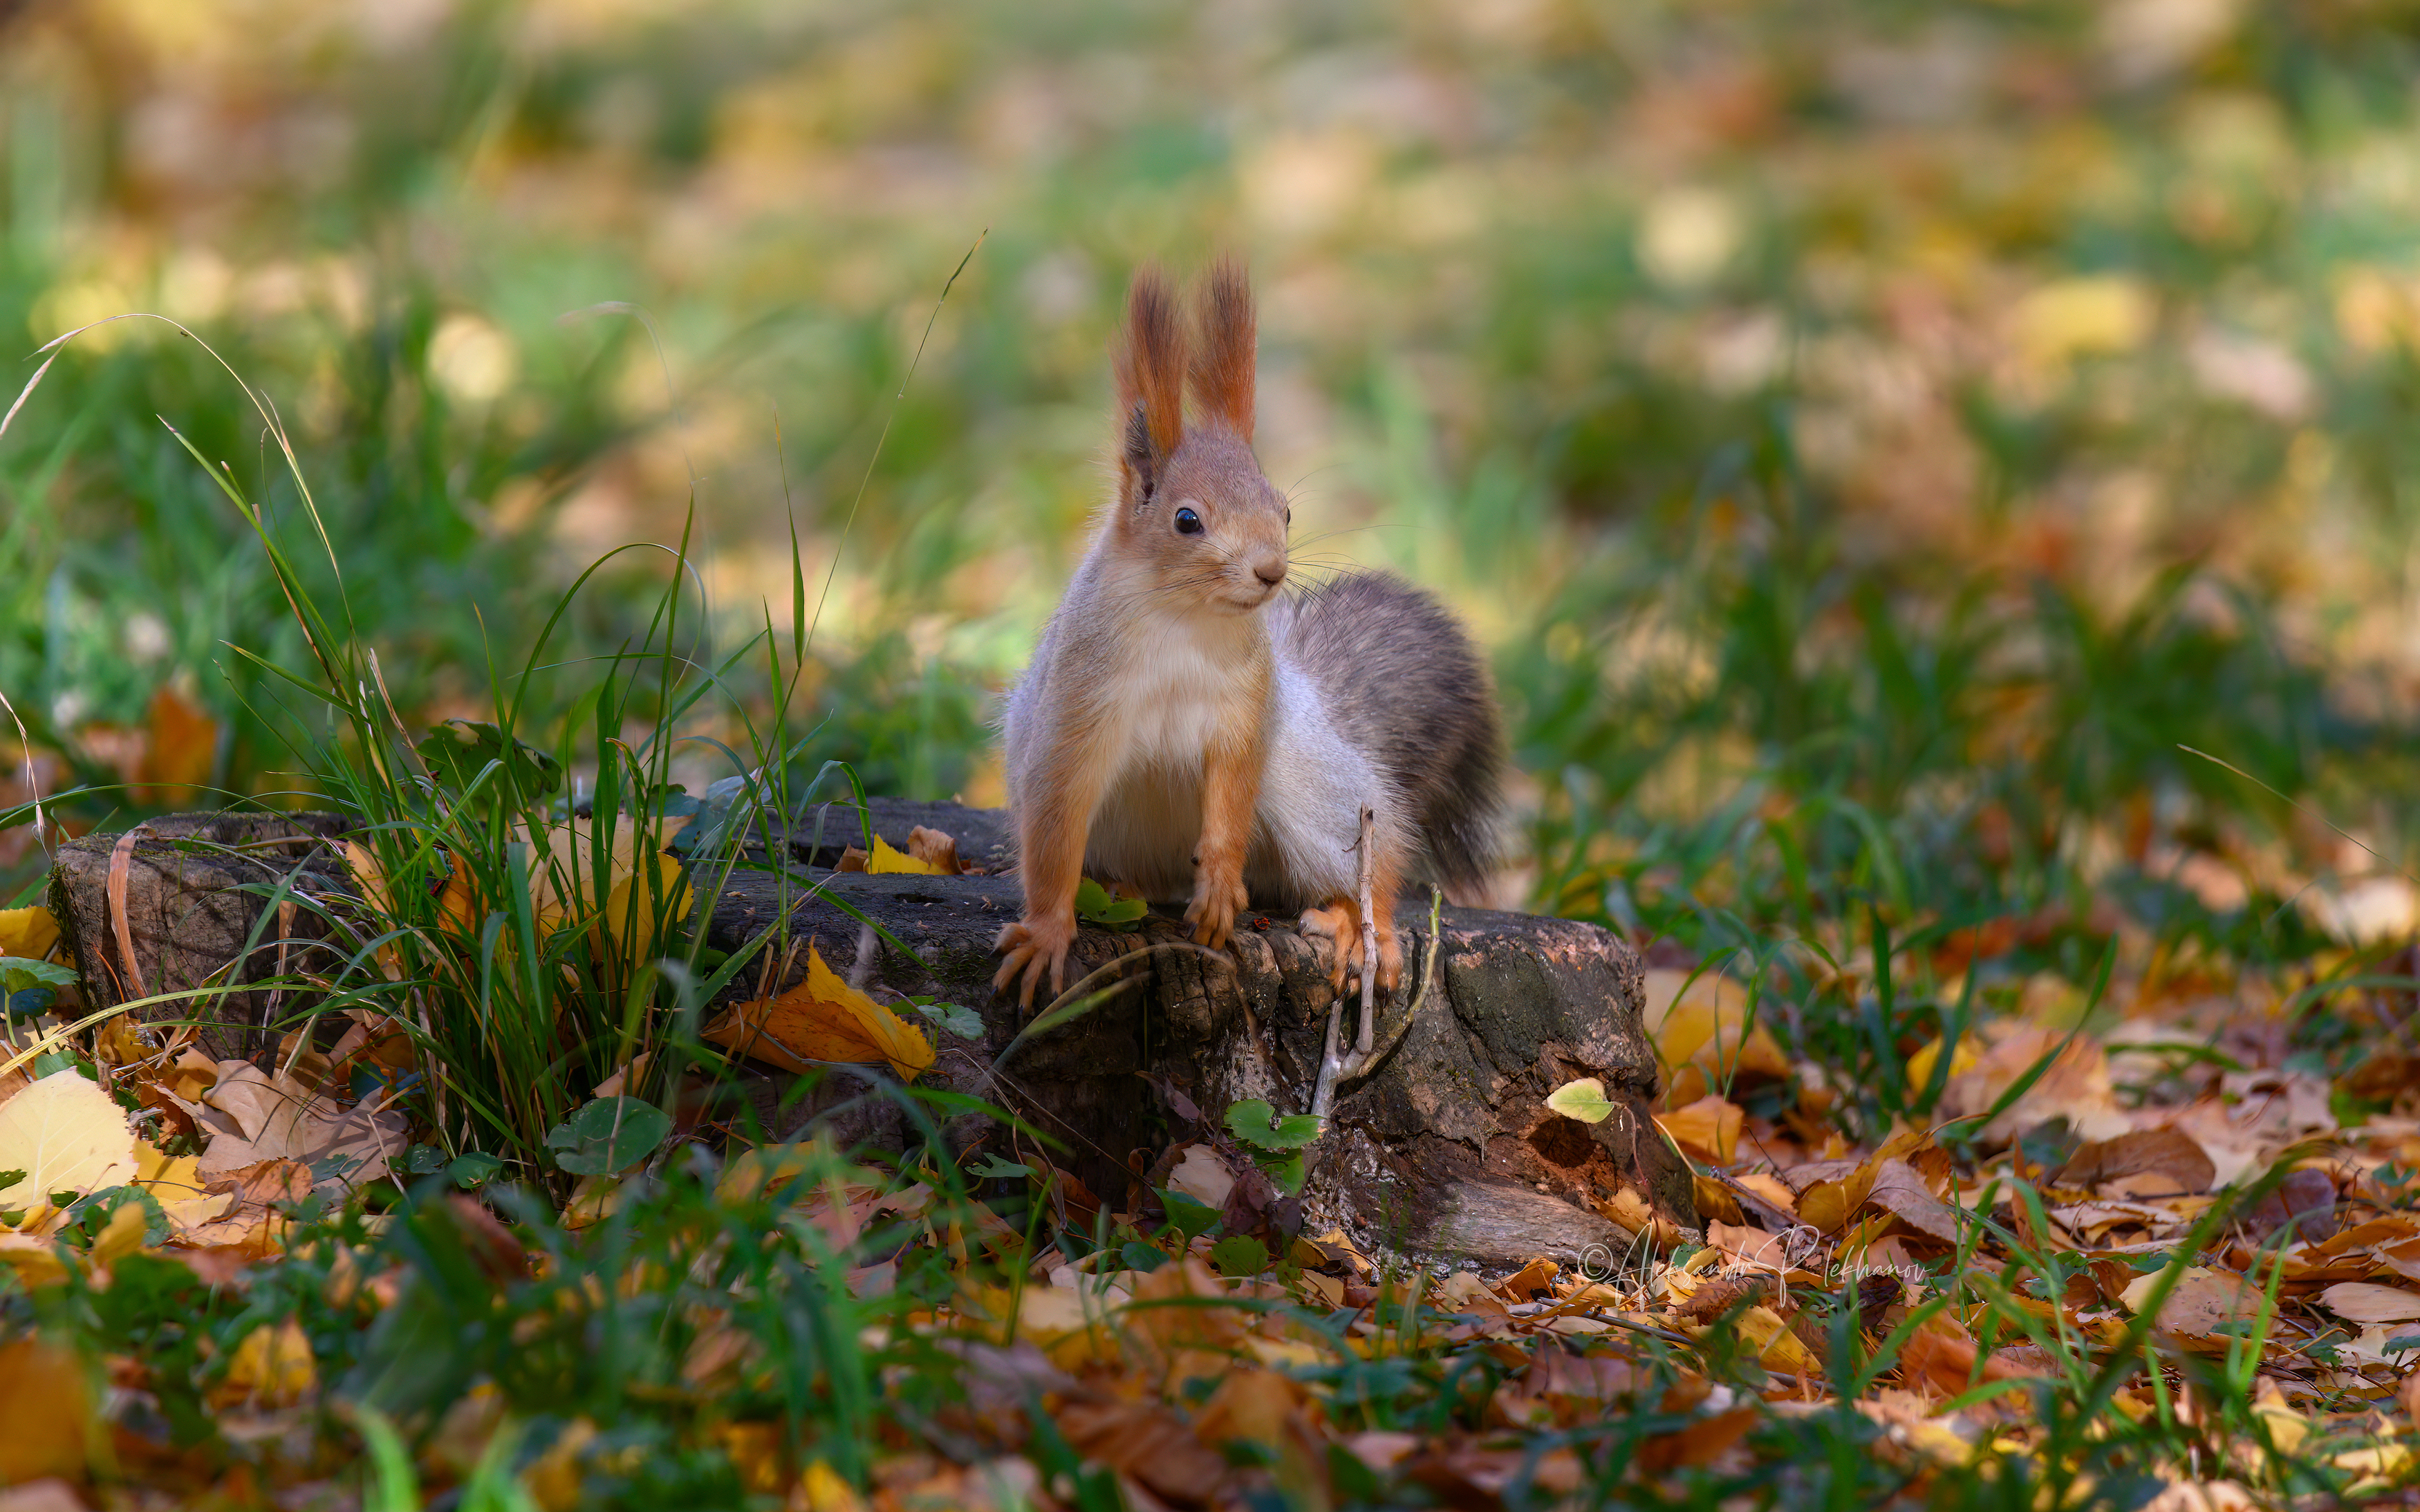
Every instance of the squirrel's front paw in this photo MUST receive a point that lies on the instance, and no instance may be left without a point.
(1217, 901)
(1034, 947)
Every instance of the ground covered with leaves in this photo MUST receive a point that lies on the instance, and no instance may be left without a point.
(2167, 1255)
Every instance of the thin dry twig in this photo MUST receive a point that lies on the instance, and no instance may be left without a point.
(1368, 939)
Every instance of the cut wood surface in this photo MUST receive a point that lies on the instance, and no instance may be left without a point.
(1445, 1147)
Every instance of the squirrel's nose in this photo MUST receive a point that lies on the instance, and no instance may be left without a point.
(1270, 570)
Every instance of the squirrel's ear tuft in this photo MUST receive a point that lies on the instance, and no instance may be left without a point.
(1222, 364)
(1151, 376)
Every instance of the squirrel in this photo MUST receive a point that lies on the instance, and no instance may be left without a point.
(1186, 730)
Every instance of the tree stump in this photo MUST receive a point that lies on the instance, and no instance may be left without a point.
(1444, 1149)
(197, 886)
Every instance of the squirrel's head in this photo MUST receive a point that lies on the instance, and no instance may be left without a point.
(1193, 507)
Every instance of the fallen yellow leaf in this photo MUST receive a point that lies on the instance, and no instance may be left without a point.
(1919, 1065)
(1708, 1129)
(27, 934)
(273, 1367)
(1703, 1034)
(65, 1136)
(821, 1489)
(1777, 1346)
(553, 1479)
(120, 1237)
(175, 1184)
(1828, 1206)
(822, 1019)
(886, 858)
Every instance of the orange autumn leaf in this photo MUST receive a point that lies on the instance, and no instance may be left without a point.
(822, 1019)
(183, 745)
(1708, 1129)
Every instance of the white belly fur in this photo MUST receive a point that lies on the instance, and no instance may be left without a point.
(1311, 790)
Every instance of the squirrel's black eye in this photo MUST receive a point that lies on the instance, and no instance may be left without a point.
(1188, 522)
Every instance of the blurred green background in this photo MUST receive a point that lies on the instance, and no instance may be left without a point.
(1872, 438)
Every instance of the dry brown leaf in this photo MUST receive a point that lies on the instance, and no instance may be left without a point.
(1170, 1313)
(265, 1185)
(1719, 1296)
(2305, 1198)
(2362, 1301)
(177, 758)
(1771, 1188)
(65, 1136)
(1715, 1200)
(936, 848)
(1943, 1355)
(2074, 1086)
(255, 1117)
(1525, 1283)
(1200, 1173)
(1701, 1442)
(2204, 1298)
(1146, 1442)
(1633, 1214)
(1903, 1194)
(1263, 1406)
(1828, 1205)
(1751, 1247)
(2164, 1153)
(822, 1019)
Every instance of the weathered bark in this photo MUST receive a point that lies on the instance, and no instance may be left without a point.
(1444, 1148)
(197, 886)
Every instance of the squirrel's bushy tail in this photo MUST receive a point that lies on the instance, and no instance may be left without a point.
(1403, 684)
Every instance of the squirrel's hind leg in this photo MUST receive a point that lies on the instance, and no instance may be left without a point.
(1337, 924)
(1337, 921)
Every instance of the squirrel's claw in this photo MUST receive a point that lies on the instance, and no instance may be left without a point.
(1217, 901)
(1033, 949)
(1338, 925)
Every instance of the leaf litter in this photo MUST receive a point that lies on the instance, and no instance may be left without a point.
(1948, 1282)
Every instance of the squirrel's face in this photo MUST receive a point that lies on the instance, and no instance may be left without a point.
(1211, 526)
(1194, 512)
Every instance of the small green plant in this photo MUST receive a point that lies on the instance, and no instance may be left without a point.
(1277, 1141)
(1094, 904)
